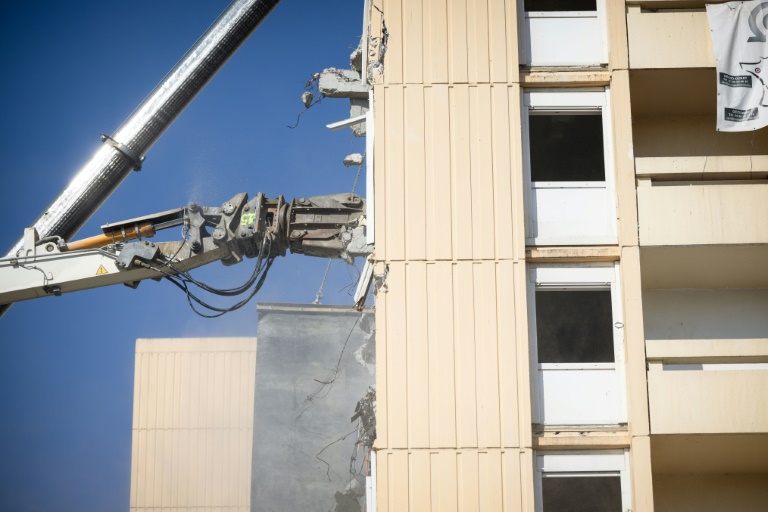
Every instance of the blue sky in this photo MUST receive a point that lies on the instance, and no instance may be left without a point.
(74, 70)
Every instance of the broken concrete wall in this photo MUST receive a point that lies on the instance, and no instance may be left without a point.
(313, 364)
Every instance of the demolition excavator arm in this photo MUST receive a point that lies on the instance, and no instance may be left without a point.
(331, 226)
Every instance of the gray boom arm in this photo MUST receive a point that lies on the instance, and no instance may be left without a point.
(325, 226)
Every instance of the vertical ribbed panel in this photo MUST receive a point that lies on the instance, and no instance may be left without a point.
(447, 166)
(466, 480)
(449, 41)
(448, 373)
(452, 367)
(193, 424)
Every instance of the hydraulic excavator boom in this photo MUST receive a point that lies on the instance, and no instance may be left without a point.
(331, 226)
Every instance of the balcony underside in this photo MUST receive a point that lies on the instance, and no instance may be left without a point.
(716, 473)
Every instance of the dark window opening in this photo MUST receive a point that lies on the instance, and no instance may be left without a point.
(566, 147)
(560, 5)
(581, 494)
(574, 326)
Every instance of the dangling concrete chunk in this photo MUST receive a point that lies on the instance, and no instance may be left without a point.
(354, 160)
(306, 98)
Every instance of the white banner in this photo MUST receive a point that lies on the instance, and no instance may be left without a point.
(739, 31)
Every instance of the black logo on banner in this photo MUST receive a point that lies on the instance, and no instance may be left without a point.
(736, 81)
(737, 115)
(760, 71)
(757, 23)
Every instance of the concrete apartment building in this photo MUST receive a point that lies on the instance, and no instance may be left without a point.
(576, 300)
(574, 309)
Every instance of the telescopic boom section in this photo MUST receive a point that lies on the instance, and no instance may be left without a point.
(124, 151)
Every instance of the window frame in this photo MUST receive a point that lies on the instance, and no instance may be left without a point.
(569, 101)
(524, 18)
(582, 463)
(576, 276)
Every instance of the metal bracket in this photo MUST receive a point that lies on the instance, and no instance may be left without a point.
(142, 251)
(135, 160)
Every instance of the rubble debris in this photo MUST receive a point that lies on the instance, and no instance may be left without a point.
(365, 355)
(345, 503)
(353, 160)
(310, 97)
(306, 98)
(356, 58)
(348, 501)
(365, 415)
(365, 411)
(377, 48)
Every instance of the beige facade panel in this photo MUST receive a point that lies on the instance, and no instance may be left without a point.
(449, 481)
(448, 362)
(449, 41)
(703, 214)
(618, 52)
(669, 39)
(642, 476)
(708, 402)
(624, 159)
(446, 161)
(193, 424)
(634, 340)
(713, 493)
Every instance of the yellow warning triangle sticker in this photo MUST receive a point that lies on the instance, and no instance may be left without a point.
(101, 271)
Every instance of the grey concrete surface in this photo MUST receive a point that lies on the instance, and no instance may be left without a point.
(307, 385)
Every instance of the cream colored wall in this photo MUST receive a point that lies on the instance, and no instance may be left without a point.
(193, 424)
(703, 214)
(713, 493)
(669, 39)
(450, 370)
(453, 383)
(708, 402)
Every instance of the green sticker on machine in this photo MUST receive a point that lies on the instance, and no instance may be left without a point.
(247, 219)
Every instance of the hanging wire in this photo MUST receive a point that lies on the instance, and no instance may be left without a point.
(319, 294)
(359, 172)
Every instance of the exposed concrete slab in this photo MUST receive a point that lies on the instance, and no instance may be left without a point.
(342, 83)
(303, 406)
